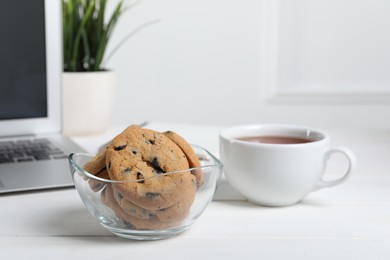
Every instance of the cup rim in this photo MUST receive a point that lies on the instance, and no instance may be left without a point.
(228, 134)
(75, 165)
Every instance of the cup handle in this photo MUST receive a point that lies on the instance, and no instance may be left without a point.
(351, 161)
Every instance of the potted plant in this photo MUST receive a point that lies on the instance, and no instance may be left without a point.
(88, 87)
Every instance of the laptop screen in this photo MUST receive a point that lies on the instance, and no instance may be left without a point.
(23, 91)
(30, 67)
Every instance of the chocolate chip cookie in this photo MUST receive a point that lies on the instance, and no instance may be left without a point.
(154, 168)
(192, 158)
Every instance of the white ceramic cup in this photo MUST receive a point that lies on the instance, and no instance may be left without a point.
(278, 174)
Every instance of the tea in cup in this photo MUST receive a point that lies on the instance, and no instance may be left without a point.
(278, 165)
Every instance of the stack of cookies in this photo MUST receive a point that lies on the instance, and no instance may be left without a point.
(155, 188)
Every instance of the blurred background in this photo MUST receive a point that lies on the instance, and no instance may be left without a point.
(225, 62)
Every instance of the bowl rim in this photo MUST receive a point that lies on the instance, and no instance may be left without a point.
(80, 169)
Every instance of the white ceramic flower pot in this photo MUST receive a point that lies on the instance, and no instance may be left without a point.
(88, 101)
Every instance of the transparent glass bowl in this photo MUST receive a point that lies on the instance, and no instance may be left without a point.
(120, 226)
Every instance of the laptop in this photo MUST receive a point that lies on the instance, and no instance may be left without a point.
(33, 152)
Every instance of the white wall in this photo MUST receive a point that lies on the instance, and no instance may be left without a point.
(205, 63)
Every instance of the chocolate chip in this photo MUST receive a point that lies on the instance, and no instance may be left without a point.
(152, 195)
(149, 141)
(129, 224)
(109, 165)
(140, 177)
(127, 170)
(121, 147)
(134, 152)
(155, 164)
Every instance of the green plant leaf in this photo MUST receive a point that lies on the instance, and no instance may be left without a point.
(106, 35)
(86, 32)
(76, 44)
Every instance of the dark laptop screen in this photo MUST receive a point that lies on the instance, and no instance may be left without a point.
(22, 59)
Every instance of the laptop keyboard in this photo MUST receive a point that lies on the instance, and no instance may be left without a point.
(29, 150)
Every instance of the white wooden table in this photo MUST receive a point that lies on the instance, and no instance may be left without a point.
(351, 221)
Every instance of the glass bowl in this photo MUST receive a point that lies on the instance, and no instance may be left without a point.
(101, 200)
